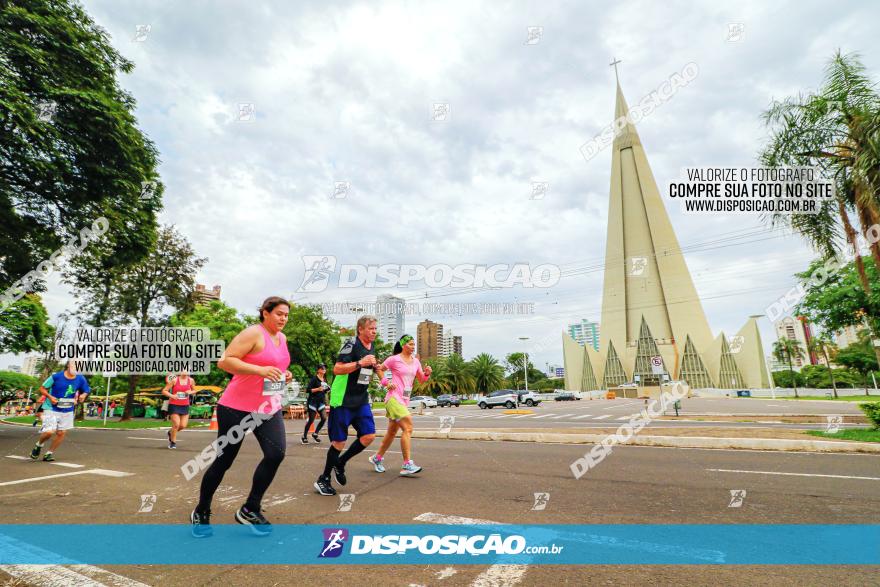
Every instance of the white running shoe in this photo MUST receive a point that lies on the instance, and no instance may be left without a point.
(409, 468)
(377, 464)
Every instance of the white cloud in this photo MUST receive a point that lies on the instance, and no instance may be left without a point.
(343, 93)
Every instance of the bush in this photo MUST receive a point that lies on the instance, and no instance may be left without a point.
(872, 410)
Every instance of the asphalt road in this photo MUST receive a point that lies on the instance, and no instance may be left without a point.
(484, 480)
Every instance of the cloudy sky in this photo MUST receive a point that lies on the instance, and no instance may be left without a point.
(344, 92)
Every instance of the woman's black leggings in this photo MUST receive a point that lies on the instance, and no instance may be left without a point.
(270, 435)
(312, 419)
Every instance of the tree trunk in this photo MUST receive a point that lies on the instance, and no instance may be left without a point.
(868, 217)
(129, 398)
(852, 239)
(793, 380)
(830, 370)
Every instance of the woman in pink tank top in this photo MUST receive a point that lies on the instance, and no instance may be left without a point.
(178, 390)
(258, 359)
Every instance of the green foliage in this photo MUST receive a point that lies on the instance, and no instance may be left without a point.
(860, 357)
(487, 373)
(313, 339)
(787, 379)
(458, 376)
(224, 323)
(59, 173)
(24, 326)
(11, 382)
(872, 410)
(438, 383)
(840, 301)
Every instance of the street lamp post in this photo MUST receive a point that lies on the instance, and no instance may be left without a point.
(525, 363)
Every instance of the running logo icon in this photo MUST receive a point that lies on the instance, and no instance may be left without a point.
(446, 423)
(319, 268)
(147, 503)
(334, 542)
(737, 496)
(833, 425)
(541, 500)
(346, 500)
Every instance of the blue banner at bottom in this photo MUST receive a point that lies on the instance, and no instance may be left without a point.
(370, 544)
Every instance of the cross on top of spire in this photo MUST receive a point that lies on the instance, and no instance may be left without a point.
(613, 64)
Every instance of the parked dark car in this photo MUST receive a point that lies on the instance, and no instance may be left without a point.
(448, 400)
(565, 396)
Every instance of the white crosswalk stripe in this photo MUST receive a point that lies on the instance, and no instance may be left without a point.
(603, 416)
(562, 416)
(582, 416)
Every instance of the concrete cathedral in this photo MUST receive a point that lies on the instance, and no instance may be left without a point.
(653, 327)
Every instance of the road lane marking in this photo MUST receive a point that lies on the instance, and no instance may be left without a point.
(495, 575)
(543, 416)
(602, 417)
(57, 575)
(102, 472)
(562, 416)
(795, 474)
(581, 417)
(68, 465)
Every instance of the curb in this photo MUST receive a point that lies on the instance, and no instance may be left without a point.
(661, 441)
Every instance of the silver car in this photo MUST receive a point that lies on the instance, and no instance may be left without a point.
(502, 397)
(425, 400)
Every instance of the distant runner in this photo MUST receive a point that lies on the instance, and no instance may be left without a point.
(316, 402)
(61, 391)
(178, 390)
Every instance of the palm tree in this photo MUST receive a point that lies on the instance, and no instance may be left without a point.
(787, 349)
(459, 376)
(438, 383)
(836, 130)
(488, 374)
(823, 346)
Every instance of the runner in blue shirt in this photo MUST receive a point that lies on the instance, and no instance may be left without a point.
(61, 391)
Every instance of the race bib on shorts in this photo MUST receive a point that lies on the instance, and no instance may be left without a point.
(65, 402)
(181, 395)
(273, 387)
(364, 376)
(407, 392)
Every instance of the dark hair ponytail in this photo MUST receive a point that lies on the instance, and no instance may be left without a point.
(398, 347)
(270, 304)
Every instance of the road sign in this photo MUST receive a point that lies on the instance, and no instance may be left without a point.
(656, 364)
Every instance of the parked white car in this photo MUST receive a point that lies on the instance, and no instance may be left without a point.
(426, 400)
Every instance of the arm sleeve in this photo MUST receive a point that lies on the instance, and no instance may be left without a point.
(48, 382)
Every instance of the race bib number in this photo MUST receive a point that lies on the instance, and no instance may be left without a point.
(273, 387)
(65, 403)
(364, 376)
(182, 395)
(407, 392)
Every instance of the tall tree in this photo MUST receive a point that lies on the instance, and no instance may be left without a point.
(224, 323)
(459, 376)
(488, 374)
(860, 357)
(142, 292)
(438, 383)
(823, 346)
(70, 149)
(787, 350)
(836, 131)
(24, 326)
